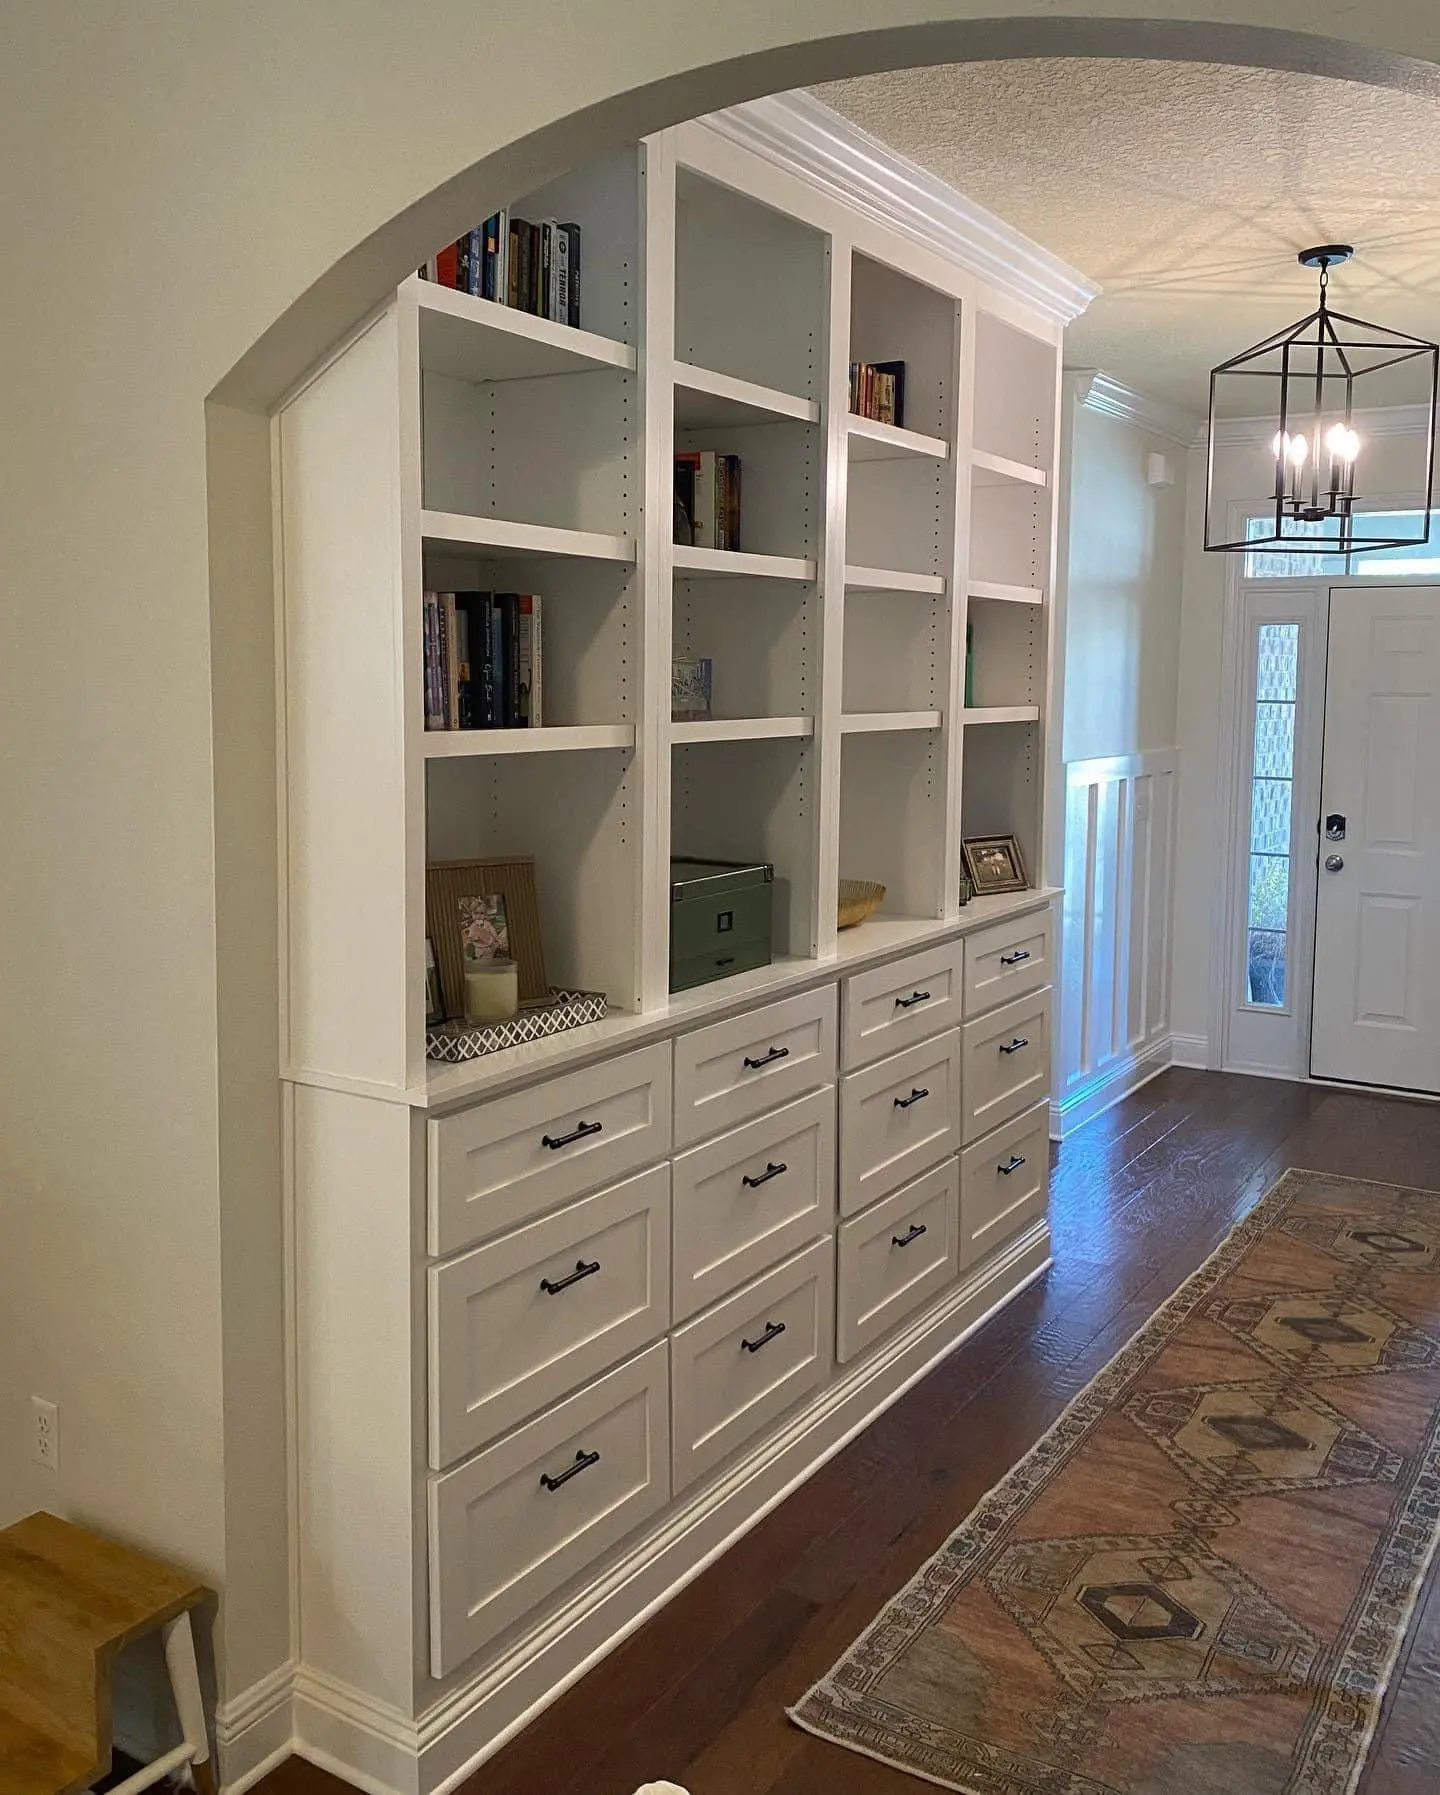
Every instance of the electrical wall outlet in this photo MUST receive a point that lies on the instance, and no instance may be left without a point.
(45, 1419)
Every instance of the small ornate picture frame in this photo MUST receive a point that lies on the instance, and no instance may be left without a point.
(995, 864)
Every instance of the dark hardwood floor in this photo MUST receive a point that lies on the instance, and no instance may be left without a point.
(1140, 1198)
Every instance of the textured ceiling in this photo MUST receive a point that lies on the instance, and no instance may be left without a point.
(1185, 190)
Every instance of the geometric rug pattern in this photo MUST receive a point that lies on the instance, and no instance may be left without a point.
(1198, 1581)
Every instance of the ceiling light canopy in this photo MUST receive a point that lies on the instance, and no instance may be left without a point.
(1316, 379)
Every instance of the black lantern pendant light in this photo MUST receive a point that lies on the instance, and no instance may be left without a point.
(1315, 380)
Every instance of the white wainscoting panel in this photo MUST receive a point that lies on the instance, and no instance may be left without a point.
(1114, 1028)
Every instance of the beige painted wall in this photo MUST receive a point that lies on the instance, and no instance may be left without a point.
(1124, 555)
(175, 179)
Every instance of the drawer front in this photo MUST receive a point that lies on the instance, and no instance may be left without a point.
(1009, 959)
(894, 1006)
(750, 1358)
(500, 1163)
(518, 1323)
(1004, 1183)
(522, 1518)
(897, 1119)
(747, 1199)
(1007, 1063)
(896, 1257)
(734, 1070)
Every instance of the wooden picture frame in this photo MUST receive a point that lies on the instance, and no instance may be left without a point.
(446, 882)
(995, 864)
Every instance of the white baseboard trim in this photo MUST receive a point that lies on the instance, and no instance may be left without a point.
(1121, 1078)
(255, 1731)
(1190, 1050)
(384, 1753)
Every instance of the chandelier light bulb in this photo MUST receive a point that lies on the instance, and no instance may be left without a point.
(1343, 443)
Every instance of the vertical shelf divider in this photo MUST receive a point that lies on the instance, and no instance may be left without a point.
(829, 701)
(656, 572)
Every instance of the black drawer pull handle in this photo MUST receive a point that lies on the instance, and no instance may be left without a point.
(773, 1331)
(768, 1059)
(725, 960)
(1015, 1045)
(903, 1240)
(914, 1097)
(553, 1287)
(908, 1003)
(583, 1462)
(552, 1141)
(1016, 1161)
(771, 1171)
(1021, 953)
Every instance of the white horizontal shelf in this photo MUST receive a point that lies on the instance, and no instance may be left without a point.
(1010, 595)
(734, 564)
(476, 339)
(890, 579)
(1002, 713)
(877, 722)
(704, 398)
(459, 744)
(742, 729)
(997, 470)
(502, 539)
(871, 440)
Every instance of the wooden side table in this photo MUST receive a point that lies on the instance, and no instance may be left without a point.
(69, 1600)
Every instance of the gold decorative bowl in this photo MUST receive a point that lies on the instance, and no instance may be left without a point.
(858, 899)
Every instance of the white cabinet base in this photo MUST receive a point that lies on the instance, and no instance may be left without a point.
(380, 1750)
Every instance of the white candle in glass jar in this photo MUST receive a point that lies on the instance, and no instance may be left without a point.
(491, 990)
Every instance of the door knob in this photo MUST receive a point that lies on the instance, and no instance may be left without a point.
(1334, 862)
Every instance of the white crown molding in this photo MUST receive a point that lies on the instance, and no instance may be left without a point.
(1101, 392)
(1374, 422)
(802, 135)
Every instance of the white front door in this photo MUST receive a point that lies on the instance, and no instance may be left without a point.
(1376, 1017)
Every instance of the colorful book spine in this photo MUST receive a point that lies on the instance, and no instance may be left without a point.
(560, 275)
(450, 660)
(572, 233)
(491, 273)
(446, 265)
(537, 665)
(512, 261)
(509, 680)
(434, 703)
(524, 659)
(497, 665)
(476, 281)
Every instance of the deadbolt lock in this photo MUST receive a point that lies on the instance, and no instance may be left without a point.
(1335, 827)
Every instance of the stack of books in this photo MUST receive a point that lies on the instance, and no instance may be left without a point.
(482, 660)
(533, 267)
(877, 390)
(707, 499)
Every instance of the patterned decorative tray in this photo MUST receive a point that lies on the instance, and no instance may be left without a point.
(460, 1040)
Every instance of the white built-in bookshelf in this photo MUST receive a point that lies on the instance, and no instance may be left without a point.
(456, 443)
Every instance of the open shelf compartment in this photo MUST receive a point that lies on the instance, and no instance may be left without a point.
(589, 644)
(1001, 787)
(900, 503)
(1016, 385)
(576, 815)
(753, 800)
(750, 289)
(893, 816)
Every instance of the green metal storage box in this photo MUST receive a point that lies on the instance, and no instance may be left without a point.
(720, 914)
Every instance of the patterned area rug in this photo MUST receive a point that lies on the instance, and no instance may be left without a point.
(1199, 1581)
